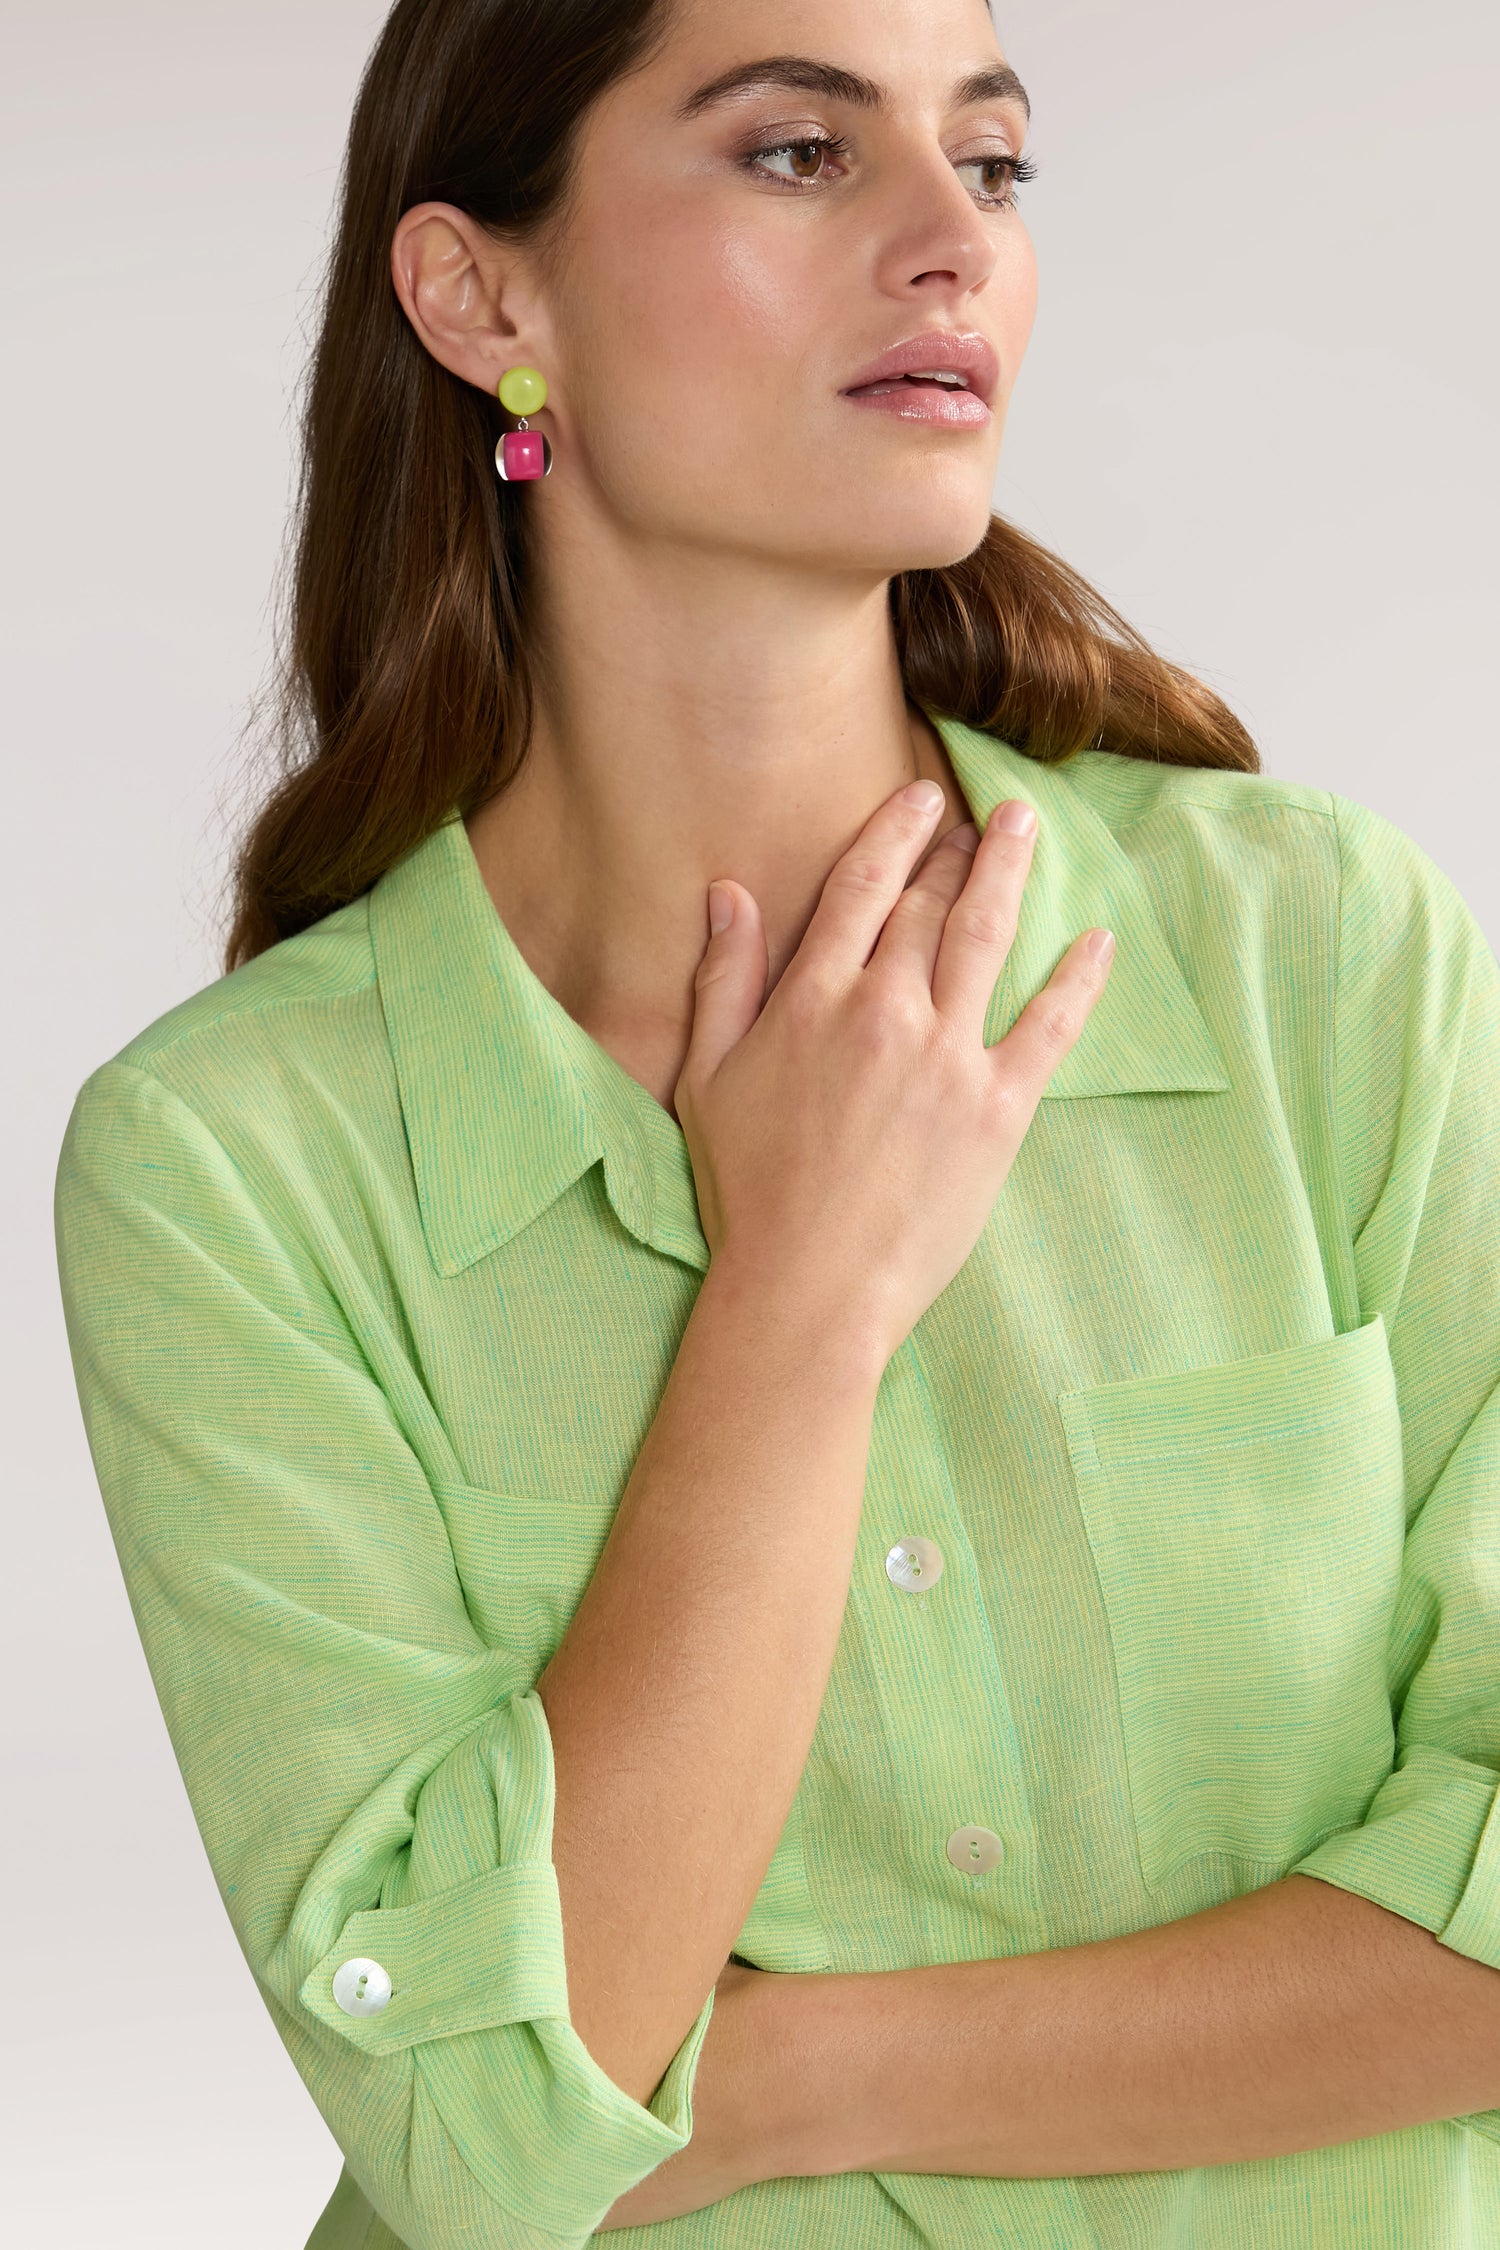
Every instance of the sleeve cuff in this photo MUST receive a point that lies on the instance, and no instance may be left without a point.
(584, 2141)
(486, 1952)
(473, 1980)
(1429, 1849)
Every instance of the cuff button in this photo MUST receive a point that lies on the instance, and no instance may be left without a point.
(360, 1987)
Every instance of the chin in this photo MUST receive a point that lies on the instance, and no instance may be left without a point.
(929, 537)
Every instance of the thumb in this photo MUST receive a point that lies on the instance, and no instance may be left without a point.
(729, 985)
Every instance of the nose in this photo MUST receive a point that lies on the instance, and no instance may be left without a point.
(938, 237)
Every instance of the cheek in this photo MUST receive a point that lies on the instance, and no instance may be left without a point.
(760, 296)
(704, 348)
(1012, 295)
(684, 301)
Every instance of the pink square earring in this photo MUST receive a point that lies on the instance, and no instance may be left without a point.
(523, 453)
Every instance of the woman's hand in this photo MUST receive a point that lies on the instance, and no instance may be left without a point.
(856, 1125)
(727, 2150)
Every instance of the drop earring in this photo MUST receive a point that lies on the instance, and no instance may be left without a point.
(523, 453)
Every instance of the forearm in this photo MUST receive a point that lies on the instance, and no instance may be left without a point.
(1294, 2017)
(683, 1697)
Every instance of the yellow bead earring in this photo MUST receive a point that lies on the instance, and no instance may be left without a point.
(523, 452)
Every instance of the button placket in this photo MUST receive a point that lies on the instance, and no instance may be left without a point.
(938, 1675)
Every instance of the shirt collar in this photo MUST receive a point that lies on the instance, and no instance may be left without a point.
(507, 1100)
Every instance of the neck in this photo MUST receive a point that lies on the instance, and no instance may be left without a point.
(670, 746)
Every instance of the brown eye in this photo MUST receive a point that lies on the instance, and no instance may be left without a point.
(806, 159)
(807, 153)
(1012, 170)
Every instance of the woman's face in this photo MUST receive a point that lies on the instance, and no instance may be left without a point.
(716, 294)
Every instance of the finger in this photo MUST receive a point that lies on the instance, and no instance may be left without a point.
(908, 945)
(729, 984)
(1052, 1019)
(980, 926)
(864, 884)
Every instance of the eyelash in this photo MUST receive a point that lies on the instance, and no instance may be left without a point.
(1019, 168)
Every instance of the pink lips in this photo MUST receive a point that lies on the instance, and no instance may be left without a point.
(963, 351)
(922, 402)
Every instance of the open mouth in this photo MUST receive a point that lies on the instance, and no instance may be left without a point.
(904, 382)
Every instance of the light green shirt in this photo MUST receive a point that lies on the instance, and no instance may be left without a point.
(375, 1265)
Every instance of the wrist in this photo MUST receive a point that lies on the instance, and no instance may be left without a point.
(823, 1329)
(798, 2049)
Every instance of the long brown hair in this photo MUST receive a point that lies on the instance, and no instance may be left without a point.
(401, 685)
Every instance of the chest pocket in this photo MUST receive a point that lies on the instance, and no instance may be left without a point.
(1247, 1521)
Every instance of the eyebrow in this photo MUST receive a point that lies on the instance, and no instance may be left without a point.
(996, 82)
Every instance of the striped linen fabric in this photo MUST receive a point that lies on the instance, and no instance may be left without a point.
(375, 1264)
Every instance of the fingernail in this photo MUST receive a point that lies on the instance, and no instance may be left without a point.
(1101, 943)
(720, 908)
(966, 837)
(925, 795)
(1017, 818)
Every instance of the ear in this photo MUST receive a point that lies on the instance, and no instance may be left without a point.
(465, 295)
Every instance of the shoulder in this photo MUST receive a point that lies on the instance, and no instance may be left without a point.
(288, 992)
(264, 1055)
(1316, 895)
(1127, 791)
(1418, 980)
(1381, 885)
(1241, 869)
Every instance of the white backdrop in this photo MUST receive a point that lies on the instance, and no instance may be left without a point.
(1258, 410)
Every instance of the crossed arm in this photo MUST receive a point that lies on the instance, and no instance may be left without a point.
(1291, 2018)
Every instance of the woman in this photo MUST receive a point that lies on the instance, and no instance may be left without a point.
(824, 1580)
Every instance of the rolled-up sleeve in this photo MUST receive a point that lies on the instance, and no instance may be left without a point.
(373, 1782)
(1417, 1104)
